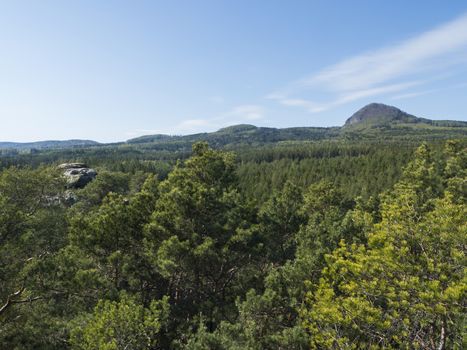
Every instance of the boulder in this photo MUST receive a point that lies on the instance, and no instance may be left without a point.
(77, 175)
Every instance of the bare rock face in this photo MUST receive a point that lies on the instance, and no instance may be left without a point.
(78, 175)
(378, 113)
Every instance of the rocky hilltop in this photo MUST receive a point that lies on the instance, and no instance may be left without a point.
(379, 113)
(376, 115)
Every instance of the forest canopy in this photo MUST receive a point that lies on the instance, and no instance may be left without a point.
(330, 245)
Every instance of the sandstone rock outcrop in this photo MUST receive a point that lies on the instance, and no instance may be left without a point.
(78, 175)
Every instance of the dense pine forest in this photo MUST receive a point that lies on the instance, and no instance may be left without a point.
(324, 244)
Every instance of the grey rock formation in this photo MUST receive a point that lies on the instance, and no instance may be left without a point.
(378, 113)
(78, 175)
(69, 198)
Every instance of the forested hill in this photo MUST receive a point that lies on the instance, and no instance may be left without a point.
(244, 134)
(373, 122)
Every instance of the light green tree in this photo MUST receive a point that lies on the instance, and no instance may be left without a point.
(407, 287)
(121, 325)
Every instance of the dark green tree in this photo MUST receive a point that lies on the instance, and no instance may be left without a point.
(199, 238)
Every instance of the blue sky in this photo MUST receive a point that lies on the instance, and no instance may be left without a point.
(113, 70)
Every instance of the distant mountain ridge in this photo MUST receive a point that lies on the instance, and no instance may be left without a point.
(50, 144)
(374, 121)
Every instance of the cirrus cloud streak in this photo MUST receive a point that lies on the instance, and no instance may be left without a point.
(392, 69)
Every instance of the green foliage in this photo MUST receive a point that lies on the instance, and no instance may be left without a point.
(279, 221)
(287, 245)
(197, 237)
(121, 325)
(32, 228)
(268, 318)
(112, 237)
(356, 168)
(116, 182)
(407, 286)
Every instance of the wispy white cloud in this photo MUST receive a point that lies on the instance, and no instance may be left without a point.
(310, 106)
(391, 69)
(237, 115)
(414, 94)
(245, 112)
(190, 124)
(427, 92)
